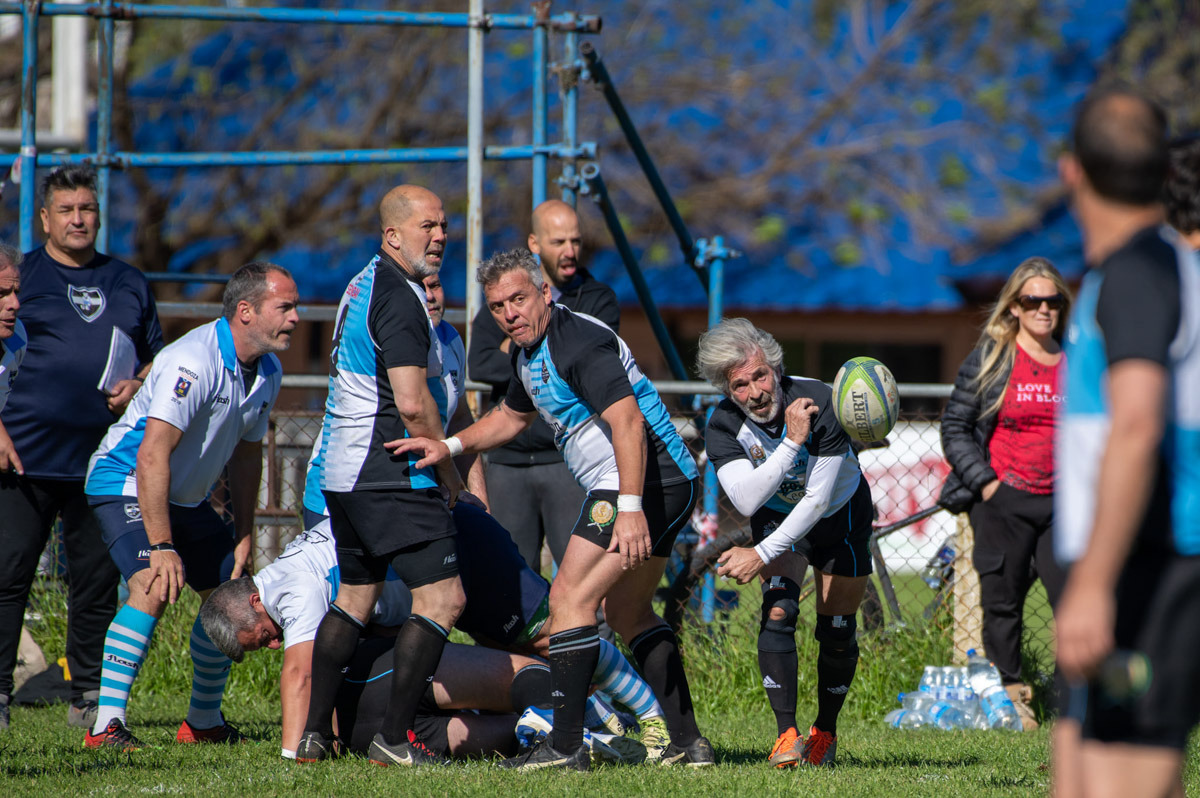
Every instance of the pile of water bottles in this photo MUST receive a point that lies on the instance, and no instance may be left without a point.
(970, 697)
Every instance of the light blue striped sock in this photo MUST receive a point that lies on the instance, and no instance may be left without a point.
(125, 648)
(210, 670)
(615, 676)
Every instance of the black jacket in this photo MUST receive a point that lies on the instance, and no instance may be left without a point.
(965, 437)
(486, 363)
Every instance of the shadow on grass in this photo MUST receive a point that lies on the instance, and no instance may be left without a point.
(892, 760)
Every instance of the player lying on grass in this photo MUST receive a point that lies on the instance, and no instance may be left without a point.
(506, 608)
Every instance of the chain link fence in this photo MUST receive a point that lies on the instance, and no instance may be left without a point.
(922, 555)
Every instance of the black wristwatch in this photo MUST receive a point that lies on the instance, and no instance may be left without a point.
(163, 547)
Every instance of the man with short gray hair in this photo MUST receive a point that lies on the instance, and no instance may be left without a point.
(205, 406)
(785, 461)
(76, 303)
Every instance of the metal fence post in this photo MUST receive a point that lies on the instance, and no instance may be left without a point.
(716, 294)
(541, 11)
(29, 55)
(568, 76)
(104, 113)
(474, 158)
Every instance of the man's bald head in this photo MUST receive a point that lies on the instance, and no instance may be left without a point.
(556, 241)
(397, 205)
(1120, 141)
(414, 229)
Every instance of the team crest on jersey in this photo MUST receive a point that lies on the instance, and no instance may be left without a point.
(88, 301)
(182, 386)
(545, 374)
(133, 512)
(757, 454)
(602, 513)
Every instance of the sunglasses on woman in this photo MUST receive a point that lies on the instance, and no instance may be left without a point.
(1030, 302)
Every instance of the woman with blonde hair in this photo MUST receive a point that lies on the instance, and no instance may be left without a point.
(998, 436)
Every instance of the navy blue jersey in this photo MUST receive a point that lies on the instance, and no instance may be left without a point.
(56, 415)
(573, 374)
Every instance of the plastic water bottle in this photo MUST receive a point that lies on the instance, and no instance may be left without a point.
(946, 714)
(930, 679)
(907, 719)
(935, 572)
(993, 699)
(958, 685)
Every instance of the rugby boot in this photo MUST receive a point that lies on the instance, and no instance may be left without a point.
(1022, 698)
(543, 755)
(786, 752)
(655, 737)
(4, 712)
(315, 747)
(115, 735)
(533, 726)
(82, 713)
(412, 753)
(226, 733)
(820, 749)
(697, 754)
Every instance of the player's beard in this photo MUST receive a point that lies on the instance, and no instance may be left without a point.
(415, 259)
(764, 414)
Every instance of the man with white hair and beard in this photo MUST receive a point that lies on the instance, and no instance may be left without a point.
(385, 383)
(784, 461)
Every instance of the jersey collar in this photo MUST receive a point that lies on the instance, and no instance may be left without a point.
(15, 341)
(266, 365)
(225, 344)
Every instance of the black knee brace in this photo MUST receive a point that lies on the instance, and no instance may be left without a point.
(779, 635)
(836, 634)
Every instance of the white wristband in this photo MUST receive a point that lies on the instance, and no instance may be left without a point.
(288, 754)
(629, 503)
(454, 445)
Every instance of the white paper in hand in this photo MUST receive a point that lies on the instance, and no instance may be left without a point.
(122, 361)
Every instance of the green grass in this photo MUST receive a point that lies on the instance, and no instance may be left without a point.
(40, 755)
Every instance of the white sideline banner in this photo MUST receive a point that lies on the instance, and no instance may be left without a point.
(907, 477)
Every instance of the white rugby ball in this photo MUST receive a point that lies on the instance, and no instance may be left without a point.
(865, 399)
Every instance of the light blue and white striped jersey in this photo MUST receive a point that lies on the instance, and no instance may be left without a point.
(1143, 302)
(453, 378)
(579, 369)
(195, 385)
(382, 323)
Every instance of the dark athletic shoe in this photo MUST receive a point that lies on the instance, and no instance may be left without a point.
(410, 754)
(543, 755)
(115, 735)
(697, 755)
(315, 747)
(82, 713)
(226, 734)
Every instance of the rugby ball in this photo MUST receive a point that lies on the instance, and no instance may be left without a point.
(865, 399)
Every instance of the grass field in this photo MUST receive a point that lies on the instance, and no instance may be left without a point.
(40, 755)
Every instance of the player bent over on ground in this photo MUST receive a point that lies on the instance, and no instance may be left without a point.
(206, 403)
(783, 459)
(619, 443)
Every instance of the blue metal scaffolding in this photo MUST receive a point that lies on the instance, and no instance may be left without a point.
(580, 63)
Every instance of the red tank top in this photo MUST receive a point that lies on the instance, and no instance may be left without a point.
(1022, 448)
